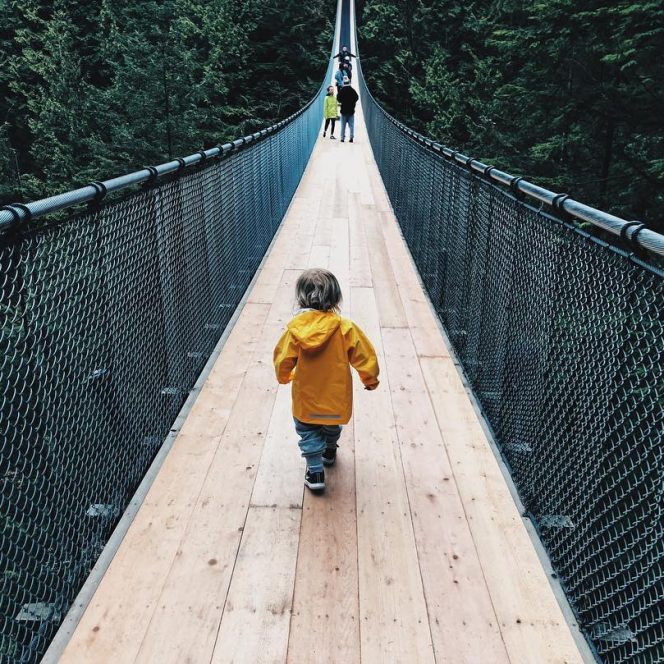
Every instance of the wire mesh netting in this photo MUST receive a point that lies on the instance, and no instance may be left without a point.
(107, 318)
(562, 340)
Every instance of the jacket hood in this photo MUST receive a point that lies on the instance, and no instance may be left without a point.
(313, 328)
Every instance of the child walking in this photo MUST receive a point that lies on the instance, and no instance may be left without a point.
(316, 352)
(330, 110)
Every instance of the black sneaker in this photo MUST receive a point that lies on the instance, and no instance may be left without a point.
(343, 139)
(334, 138)
(351, 140)
(324, 134)
(330, 456)
(315, 481)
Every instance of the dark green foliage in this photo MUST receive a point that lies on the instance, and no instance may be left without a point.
(569, 94)
(92, 90)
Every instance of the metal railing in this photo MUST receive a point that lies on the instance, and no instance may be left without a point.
(561, 337)
(107, 317)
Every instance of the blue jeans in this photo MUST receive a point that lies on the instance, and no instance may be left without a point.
(350, 121)
(314, 438)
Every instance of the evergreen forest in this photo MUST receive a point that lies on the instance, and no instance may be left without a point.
(91, 90)
(568, 94)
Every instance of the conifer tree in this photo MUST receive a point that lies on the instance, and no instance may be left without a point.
(568, 94)
(89, 91)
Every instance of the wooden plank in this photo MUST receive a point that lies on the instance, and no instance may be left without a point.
(339, 263)
(531, 622)
(315, 171)
(325, 622)
(362, 174)
(394, 624)
(114, 624)
(402, 263)
(300, 216)
(351, 169)
(255, 623)
(421, 318)
(191, 601)
(425, 332)
(304, 205)
(303, 218)
(320, 256)
(192, 598)
(366, 190)
(458, 601)
(340, 193)
(267, 284)
(326, 210)
(279, 481)
(268, 279)
(379, 196)
(360, 267)
(386, 291)
(356, 178)
(324, 229)
(301, 249)
(283, 307)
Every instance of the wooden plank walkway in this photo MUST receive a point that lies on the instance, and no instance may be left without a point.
(415, 553)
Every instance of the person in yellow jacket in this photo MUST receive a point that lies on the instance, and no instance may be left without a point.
(330, 111)
(316, 352)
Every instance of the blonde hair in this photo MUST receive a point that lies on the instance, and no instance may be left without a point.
(318, 289)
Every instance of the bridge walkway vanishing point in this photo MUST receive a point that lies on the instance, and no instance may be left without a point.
(415, 553)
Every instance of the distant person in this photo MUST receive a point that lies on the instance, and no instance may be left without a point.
(348, 64)
(344, 53)
(346, 71)
(330, 111)
(339, 78)
(347, 97)
(316, 352)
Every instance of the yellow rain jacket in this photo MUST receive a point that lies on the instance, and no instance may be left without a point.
(316, 352)
(330, 107)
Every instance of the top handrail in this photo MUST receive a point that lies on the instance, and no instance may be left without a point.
(634, 232)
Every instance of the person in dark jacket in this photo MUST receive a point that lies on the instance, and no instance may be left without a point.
(347, 97)
(344, 53)
(339, 79)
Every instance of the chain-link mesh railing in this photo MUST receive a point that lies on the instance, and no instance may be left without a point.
(562, 340)
(106, 320)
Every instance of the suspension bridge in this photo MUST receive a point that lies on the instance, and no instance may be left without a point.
(497, 499)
